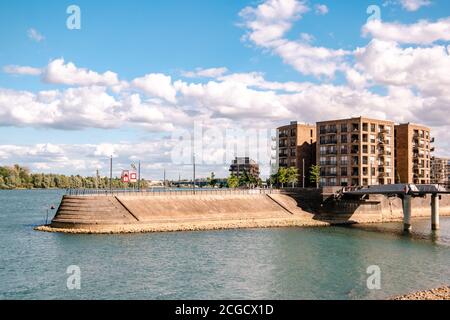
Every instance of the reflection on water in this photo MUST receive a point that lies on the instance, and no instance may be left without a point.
(295, 263)
(421, 230)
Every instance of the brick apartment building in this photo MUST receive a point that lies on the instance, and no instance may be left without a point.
(440, 170)
(413, 153)
(361, 151)
(355, 151)
(244, 164)
(297, 148)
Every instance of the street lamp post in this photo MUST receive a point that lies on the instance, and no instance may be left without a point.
(193, 169)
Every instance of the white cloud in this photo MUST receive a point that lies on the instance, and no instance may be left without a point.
(205, 73)
(321, 9)
(35, 35)
(422, 32)
(156, 85)
(269, 21)
(425, 69)
(22, 70)
(59, 72)
(414, 5)
(267, 25)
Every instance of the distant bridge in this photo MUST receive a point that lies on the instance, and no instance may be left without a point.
(406, 192)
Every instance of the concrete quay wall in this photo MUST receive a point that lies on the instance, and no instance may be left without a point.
(149, 213)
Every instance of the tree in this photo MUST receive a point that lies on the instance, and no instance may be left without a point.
(212, 180)
(282, 176)
(314, 176)
(233, 182)
(292, 175)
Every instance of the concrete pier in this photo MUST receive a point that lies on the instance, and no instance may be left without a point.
(435, 212)
(407, 212)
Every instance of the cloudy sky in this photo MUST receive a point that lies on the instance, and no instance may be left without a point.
(139, 75)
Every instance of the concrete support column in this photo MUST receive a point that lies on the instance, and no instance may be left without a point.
(434, 212)
(407, 212)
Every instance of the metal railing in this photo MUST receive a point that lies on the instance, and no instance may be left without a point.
(167, 192)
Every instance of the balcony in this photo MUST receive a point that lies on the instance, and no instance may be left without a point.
(328, 163)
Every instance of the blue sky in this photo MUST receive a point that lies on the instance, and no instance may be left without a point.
(135, 38)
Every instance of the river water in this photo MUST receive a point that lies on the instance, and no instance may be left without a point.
(292, 263)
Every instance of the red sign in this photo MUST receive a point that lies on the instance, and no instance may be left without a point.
(125, 176)
(133, 177)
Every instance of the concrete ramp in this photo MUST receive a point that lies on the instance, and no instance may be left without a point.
(154, 213)
(202, 207)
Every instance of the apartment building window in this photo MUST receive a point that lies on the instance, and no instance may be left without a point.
(365, 138)
(344, 182)
(355, 138)
(372, 149)
(293, 132)
(323, 150)
(323, 161)
(332, 161)
(372, 138)
(322, 140)
(344, 171)
(372, 171)
(323, 182)
(344, 150)
(365, 149)
(293, 142)
(344, 127)
(344, 138)
(365, 127)
(332, 128)
(332, 181)
(373, 127)
(323, 129)
(293, 152)
(344, 160)
(293, 163)
(311, 133)
(355, 149)
(365, 171)
(355, 161)
(355, 126)
(365, 160)
(333, 171)
(365, 182)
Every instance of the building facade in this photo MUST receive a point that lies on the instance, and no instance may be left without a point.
(297, 148)
(355, 151)
(440, 170)
(413, 153)
(242, 165)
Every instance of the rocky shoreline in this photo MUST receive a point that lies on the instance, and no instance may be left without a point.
(442, 293)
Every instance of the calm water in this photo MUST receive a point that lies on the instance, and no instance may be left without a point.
(325, 263)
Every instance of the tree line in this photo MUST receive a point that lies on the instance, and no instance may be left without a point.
(18, 177)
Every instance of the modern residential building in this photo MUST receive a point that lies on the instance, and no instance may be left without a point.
(355, 151)
(440, 170)
(244, 164)
(297, 148)
(413, 153)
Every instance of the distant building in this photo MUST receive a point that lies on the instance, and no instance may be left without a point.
(296, 147)
(440, 170)
(413, 153)
(244, 164)
(355, 151)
